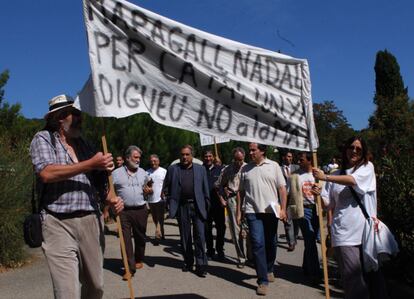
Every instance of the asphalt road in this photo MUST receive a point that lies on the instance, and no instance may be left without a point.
(161, 276)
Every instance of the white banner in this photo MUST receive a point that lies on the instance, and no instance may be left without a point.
(208, 139)
(190, 79)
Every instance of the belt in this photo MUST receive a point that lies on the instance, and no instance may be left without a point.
(76, 214)
(134, 208)
(309, 206)
(186, 201)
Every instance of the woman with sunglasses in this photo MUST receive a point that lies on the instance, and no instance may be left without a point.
(356, 172)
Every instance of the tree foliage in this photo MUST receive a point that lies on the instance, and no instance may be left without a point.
(15, 167)
(392, 121)
(391, 133)
(332, 128)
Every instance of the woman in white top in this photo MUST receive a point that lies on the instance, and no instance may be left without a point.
(348, 220)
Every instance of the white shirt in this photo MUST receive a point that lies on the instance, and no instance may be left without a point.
(348, 220)
(260, 183)
(157, 177)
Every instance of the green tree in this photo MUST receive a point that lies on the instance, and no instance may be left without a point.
(332, 128)
(8, 113)
(12, 122)
(391, 133)
(392, 121)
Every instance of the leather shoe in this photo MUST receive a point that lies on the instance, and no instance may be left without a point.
(220, 256)
(210, 255)
(291, 248)
(201, 271)
(187, 268)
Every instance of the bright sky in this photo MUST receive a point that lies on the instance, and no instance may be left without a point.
(43, 43)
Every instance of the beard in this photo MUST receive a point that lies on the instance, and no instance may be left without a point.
(132, 165)
(72, 129)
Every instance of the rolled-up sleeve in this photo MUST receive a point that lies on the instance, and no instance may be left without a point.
(327, 196)
(41, 152)
(364, 178)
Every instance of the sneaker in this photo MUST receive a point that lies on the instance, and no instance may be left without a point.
(271, 277)
(241, 265)
(139, 265)
(261, 290)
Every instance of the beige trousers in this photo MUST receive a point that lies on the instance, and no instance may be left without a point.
(74, 253)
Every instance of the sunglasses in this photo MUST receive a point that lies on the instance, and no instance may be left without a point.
(355, 148)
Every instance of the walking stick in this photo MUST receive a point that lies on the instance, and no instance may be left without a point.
(323, 237)
(118, 224)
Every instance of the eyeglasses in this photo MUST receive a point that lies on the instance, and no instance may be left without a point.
(355, 148)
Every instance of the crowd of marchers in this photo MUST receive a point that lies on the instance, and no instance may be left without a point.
(252, 193)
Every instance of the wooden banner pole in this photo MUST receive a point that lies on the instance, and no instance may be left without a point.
(215, 149)
(323, 237)
(118, 224)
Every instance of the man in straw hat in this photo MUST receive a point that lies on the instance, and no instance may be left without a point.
(72, 180)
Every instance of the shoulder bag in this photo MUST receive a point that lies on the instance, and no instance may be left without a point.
(378, 243)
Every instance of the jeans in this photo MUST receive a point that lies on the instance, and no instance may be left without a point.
(263, 237)
(309, 226)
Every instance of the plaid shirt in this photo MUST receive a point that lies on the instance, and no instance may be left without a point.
(78, 193)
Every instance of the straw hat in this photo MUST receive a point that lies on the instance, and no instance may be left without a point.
(59, 102)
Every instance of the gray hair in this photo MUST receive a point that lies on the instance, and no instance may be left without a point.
(130, 149)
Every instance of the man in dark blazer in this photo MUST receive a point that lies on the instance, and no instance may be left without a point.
(187, 192)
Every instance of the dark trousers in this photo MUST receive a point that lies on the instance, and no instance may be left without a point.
(187, 215)
(134, 220)
(216, 215)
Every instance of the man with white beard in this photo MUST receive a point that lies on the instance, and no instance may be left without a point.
(72, 183)
(132, 183)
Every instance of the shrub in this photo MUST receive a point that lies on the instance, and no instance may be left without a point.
(396, 207)
(15, 190)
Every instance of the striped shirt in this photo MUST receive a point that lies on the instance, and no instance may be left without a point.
(78, 193)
